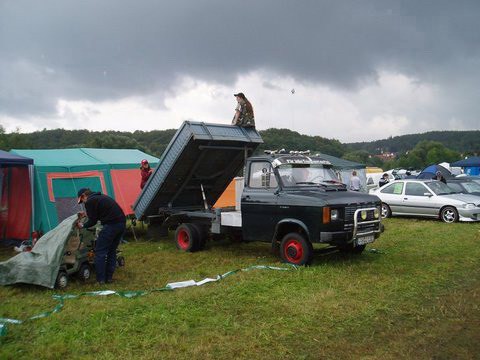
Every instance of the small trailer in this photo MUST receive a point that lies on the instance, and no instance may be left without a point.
(289, 200)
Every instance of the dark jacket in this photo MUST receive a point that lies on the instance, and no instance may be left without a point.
(383, 182)
(440, 178)
(103, 208)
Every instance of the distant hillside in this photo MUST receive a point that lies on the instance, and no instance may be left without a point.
(292, 140)
(155, 142)
(461, 141)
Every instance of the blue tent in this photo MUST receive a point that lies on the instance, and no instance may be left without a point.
(471, 166)
(7, 158)
(430, 171)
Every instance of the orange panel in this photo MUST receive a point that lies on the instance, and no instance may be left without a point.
(126, 186)
(228, 196)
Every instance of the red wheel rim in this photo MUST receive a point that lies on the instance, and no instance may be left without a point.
(183, 239)
(293, 251)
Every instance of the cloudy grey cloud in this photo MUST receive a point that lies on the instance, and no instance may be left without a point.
(111, 49)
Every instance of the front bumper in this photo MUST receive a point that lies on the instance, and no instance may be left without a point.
(469, 215)
(353, 231)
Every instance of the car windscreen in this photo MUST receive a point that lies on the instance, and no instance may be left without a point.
(470, 186)
(305, 174)
(439, 188)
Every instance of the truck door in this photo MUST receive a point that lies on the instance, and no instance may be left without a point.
(259, 201)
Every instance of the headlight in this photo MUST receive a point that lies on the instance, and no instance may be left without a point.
(376, 213)
(334, 214)
(363, 214)
(469, 206)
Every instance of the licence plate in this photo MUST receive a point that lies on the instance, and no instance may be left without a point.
(362, 240)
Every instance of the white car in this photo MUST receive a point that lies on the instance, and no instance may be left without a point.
(427, 198)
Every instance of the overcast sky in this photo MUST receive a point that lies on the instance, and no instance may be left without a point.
(350, 70)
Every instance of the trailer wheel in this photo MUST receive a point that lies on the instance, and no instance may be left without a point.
(62, 280)
(187, 237)
(295, 249)
(85, 272)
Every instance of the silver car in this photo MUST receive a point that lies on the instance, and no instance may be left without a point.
(427, 198)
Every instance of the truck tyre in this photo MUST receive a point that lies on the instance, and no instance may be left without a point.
(62, 280)
(202, 232)
(187, 237)
(351, 249)
(295, 249)
(85, 272)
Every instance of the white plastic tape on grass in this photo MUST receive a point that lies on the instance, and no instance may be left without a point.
(131, 294)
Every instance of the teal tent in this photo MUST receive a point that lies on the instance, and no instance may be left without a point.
(60, 173)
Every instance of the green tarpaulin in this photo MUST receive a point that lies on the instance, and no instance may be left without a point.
(41, 265)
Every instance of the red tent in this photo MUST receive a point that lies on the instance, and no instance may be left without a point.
(16, 188)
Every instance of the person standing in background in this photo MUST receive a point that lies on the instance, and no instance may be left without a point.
(355, 183)
(145, 172)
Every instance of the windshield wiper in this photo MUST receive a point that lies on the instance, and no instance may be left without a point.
(306, 183)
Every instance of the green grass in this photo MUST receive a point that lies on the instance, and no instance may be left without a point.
(419, 297)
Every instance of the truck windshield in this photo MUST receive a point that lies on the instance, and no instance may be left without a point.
(306, 174)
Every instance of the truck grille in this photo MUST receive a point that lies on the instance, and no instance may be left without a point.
(350, 211)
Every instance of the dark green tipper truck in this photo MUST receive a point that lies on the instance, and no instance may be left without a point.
(288, 200)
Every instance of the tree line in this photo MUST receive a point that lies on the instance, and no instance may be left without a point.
(412, 151)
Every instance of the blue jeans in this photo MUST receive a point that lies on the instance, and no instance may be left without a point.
(106, 250)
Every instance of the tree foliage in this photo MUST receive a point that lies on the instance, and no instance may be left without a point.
(411, 155)
(465, 142)
(426, 153)
(291, 140)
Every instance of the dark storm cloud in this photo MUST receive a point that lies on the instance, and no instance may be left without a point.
(110, 49)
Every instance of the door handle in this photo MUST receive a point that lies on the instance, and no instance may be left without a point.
(247, 197)
(405, 198)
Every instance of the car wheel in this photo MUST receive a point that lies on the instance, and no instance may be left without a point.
(295, 249)
(62, 280)
(386, 212)
(449, 214)
(85, 272)
(187, 237)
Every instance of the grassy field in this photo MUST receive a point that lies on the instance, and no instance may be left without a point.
(417, 297)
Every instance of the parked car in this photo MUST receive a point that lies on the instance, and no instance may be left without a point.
(394, 174)
(464, 186)
(427, 198)
(468, 177)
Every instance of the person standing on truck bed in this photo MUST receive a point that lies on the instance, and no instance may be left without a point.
(243, 112)
(103, 208)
